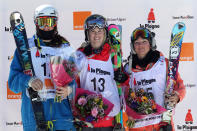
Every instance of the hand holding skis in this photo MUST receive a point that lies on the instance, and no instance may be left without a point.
(172, 99)
(35, 83)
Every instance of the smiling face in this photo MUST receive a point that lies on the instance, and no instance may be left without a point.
(96, 37)
(141, 47)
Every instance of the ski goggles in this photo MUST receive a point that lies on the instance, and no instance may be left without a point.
(142, 32)
(46, 21)
(92, 23)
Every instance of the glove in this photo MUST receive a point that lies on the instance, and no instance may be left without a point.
(120, 76)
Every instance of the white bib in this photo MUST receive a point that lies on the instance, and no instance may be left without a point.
(42, 68)
(98, 76)
(154, 81)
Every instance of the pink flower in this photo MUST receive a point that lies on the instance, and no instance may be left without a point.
(94, 112)
(82, 101)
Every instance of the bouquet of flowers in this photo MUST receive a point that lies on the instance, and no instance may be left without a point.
(63, 71)
(91, 107)
(141, 102)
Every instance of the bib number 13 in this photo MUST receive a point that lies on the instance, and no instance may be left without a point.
(101, 82)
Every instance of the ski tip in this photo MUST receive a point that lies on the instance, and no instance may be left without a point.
(178, 27)
(113, 26)
(15, 18)
(181, 25)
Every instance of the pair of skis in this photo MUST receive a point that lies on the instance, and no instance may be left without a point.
(20, 36)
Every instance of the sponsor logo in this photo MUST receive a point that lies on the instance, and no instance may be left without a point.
(189, 118)
(151, 21)
(188, 126)
(49, 84)
(183, 17)
(151, 16)
(150, 26)
(145, 82)
(79, 19)
(150, 118)
(8, 29)
(15, 123)
(187, 52)
(12, 95)
(190, 85)
(117, 19)
(98, 71)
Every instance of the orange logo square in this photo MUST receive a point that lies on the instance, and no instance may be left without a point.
(49, 84)
(12, 95)
(187, 52)
(79, 19)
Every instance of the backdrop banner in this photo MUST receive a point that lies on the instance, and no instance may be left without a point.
(159, 16)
